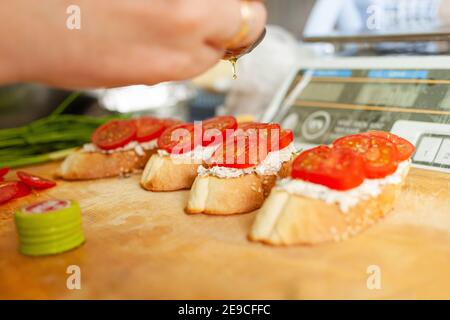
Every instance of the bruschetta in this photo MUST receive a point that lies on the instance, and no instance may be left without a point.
(181, 150)
(335, 192)
(231, 187)
(118, 147)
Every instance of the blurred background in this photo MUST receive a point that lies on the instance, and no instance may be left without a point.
(294, 27)
(23, 103)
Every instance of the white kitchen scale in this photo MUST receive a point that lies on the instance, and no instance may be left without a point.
(326, 98)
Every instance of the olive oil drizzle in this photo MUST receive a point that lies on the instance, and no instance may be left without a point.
(233, 62)
(233, 55)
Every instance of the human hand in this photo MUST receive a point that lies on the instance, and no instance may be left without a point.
(119, 42)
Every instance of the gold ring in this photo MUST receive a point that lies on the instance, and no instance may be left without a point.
(244, 28)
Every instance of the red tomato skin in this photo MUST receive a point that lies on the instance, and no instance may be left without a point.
(220, 122)
(263, 132)
(35, 181)
(237, 163)
(337, 169)
(277, 139)
(370, 147)
(405, 148)
(23, 190)
(225, 124)
(115, 142)
(257, 135)
(143, 123)
(4, 171)
(258, 125)
(169, 122)
(8, 190)
(259, 128)
(355, 142)
(240, 154)
(165, 140)
(376, 170)
(286, 138)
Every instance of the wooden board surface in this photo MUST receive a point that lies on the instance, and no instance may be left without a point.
(142, 245)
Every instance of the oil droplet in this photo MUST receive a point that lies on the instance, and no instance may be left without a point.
(233, 62)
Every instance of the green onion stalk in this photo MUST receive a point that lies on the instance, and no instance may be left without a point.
(48, 139)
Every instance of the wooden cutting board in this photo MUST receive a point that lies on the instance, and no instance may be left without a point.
(142, 245)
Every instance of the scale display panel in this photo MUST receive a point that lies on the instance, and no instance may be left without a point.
(321, 105)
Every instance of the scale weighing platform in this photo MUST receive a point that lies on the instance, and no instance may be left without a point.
(409, 96)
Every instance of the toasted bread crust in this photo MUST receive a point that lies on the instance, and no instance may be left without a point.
(226, 196)
(94, 165)
(287, 219)
(164, 174)
(216, 196)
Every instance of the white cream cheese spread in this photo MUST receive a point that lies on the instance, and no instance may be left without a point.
(199, 154)
(138, 147)
(348, 198)
(269, 166)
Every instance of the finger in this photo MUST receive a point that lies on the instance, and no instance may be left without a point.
(194, 64)
(257, 21)
(150, 67)
(226, 20)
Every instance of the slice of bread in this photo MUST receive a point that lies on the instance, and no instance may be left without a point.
(220, 196)
(162, 173)
(225, 196)
(94, 165)
(287, 219)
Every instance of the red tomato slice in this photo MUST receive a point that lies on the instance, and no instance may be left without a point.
(221, 123)
(250, 145)
(355, 142)
(262, 131)
(178, 139)
(266, 134)
(211, 127)
(148, 128)
(286, 138)
(404, 147)
(168, 122)
(235, 153)
(276, 139)
(114, 134)
(35, 181)
(380, 154)
(338, 169)
(4, 171)
(22, 190)
(258, 125)
(8, 190)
